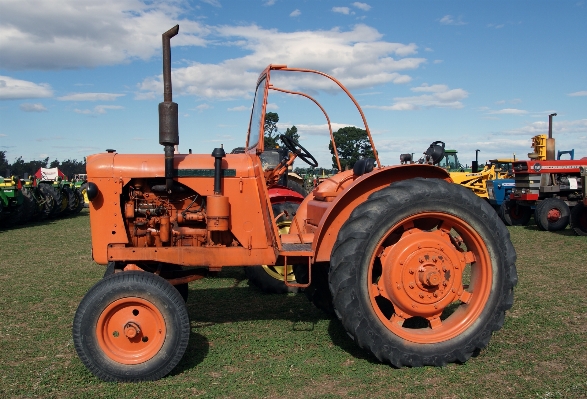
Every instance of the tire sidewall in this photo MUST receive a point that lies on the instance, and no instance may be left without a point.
(478, 217)
(123, 285)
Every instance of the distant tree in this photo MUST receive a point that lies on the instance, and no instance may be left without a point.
(72, 167)
(352, 144)
(4, 166)
(292, 133)
(54, 164)
(270, 130)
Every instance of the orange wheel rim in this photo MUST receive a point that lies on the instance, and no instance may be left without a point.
(131, 330)
(430, 277)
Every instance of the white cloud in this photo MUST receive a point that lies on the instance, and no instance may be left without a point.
(449, 20)
(214, 3)
(203, 107)
(341, 10)
(90, 97)
(362, 6)
(16, 89)
(441, 97)
(98, 109)
(46, 35)
(508, 111)
(269, 2)
(295, 13)
(559, 127)
(578, 93)
(239, 108)
(358, 57)
(27, 107)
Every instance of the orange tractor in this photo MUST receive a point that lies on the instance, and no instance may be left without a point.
(419, 270)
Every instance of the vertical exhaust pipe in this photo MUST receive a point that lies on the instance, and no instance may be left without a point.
(168, 111)
(550, 143)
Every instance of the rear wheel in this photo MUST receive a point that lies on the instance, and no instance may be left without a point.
(53, 200)
(131, 326)
(428, 283)
(80, 200)
(579, 219)
(552, 214)
(514, 214)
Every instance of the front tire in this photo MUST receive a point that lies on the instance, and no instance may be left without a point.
(552, 214)
(428, 283)
(131, 326)
(514, 214)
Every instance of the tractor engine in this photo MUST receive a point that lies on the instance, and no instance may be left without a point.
(156, 218)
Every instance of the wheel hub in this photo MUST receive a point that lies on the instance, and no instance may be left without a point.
(423, 274)
(553, 215)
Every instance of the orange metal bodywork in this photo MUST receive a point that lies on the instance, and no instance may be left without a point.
(134, 222)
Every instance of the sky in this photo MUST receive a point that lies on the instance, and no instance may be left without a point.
(80, 76)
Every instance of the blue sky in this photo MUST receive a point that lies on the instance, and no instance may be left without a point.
(80, 76)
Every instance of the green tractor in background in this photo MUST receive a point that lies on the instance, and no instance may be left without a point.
(12, 211)
(67, 198)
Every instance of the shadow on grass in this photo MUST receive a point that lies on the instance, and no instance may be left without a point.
(48, 221)
(243, 303)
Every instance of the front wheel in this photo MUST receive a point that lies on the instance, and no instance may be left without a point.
(552, 214)
(428, 283)
(514, 214)
(131, 326)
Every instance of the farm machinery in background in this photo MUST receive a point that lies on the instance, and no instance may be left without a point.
(553, 187)
(44, 195)
(420, 271)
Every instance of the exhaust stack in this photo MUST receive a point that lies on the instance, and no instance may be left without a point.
(550, 142)
(168, 111)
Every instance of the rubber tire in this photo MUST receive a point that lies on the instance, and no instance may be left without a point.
(67, 197)
(183, 289)
(295, 186)
(359, 236)
(138, 284)
(258, 275)
(514, 214)
(72, 199)
(53, 200)
(579, 219)
(318, 292)
(29, 204)
(541, 214)
(80, 201)
(48, 201)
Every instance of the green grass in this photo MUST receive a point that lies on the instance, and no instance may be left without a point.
(245, 344)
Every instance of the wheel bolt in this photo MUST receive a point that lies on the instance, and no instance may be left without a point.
(411, 285)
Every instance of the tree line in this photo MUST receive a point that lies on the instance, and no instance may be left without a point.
(352, 143)
(20, 168)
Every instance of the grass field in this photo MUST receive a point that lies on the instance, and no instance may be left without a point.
(245, 344)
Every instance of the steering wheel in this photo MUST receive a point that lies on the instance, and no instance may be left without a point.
(298, 150)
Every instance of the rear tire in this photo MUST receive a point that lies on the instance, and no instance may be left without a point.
(131, 326)
(552, 214)
(428, 283)
(579, 219)
(514, 214)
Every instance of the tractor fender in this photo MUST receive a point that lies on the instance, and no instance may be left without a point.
(283, 194)
(353, 195)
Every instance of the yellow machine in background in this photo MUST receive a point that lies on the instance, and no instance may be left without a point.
(477, 182)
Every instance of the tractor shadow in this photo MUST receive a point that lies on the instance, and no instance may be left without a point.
(44, 222)
(244, 303)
